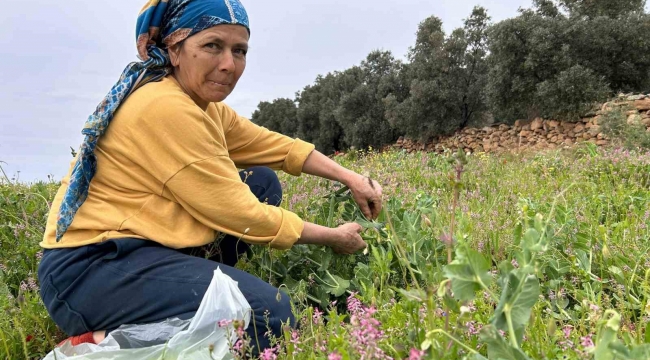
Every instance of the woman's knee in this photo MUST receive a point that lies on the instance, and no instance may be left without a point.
(283, 312)
(271, 311)
(264, 183)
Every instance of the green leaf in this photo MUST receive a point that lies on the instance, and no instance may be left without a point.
(370, 224)
(617, 273)
(498, 347)
(475, 356)
(520, 293)
(641, 352)
(535, 241)
(451, 304)
(336, 285)
(325, 260)
(414, 294)
(467, 272)
(607, 336)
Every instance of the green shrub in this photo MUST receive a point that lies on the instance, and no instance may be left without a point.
(631, 135)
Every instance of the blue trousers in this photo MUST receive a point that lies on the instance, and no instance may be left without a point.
(134, 281)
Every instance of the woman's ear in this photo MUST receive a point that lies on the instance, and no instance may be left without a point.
(175, 54)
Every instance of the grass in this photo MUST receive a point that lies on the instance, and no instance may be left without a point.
(568, 228)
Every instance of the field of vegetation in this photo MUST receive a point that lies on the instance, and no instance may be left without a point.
(511, 256)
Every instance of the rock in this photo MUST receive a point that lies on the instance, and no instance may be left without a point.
(568, 141)
(538, 123)
(525, 133)
(645, 122)
(597, 120)
(632, 112)
(594, 130)
(520, 123)
(553, 124)
(579, 128)
(504, 127)
(636, 97)
(567, 126)
(608, 106)
(642, 105)
(634, 120)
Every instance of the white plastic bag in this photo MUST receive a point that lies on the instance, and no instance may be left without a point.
(175, 339)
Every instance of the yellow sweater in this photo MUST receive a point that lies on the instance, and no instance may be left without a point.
(167, 172)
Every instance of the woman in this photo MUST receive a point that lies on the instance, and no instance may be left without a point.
(162, 180)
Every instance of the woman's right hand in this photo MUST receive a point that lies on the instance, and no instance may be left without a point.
(348, 240)
(345, 239)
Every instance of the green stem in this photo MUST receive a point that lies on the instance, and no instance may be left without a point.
(463, 345)
(22, 338)
(324, 282)
(330, 216)
(4, 341)
(511, 329)
(314, 261)
(492, 295)
(312, 298)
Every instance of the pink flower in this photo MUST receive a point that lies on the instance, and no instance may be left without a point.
(295, 340)
(355, 306)
(567, 331)
(317, 315)
(268, 354)
(334, 356)
(238, 345)
(515, 263)
(472, 328)
(416, 354)
(224, 323)
(586, 341)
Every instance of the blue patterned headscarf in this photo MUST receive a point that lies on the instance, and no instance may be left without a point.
(161, 24)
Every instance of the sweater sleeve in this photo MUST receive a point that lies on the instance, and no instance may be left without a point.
(213, 193)
(252, 145)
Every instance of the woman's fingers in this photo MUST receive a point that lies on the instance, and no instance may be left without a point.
(367, 193)
(375, 208)
(365, 209)
(350, 240)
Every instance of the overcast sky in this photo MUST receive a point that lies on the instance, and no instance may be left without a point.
(59, 58)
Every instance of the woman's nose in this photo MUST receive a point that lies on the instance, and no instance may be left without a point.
(227, 62)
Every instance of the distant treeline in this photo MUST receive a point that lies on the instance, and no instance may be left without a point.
(555, 60)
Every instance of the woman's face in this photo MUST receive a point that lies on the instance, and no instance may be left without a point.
(208, 64)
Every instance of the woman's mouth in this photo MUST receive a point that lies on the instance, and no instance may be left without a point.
(217, 83)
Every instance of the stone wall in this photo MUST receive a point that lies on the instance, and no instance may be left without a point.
(538, 133)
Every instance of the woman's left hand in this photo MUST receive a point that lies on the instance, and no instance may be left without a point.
(367, 194)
